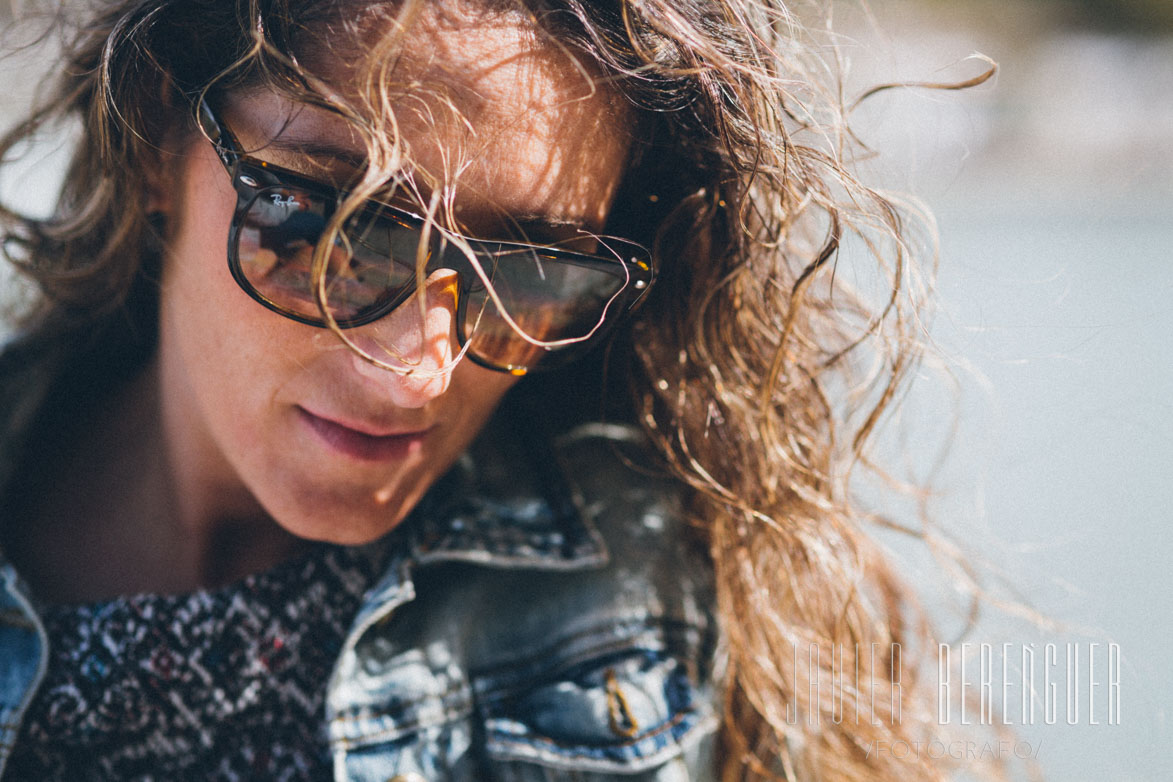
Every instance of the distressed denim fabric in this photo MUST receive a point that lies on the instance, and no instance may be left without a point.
(516, 642)
(546, 614)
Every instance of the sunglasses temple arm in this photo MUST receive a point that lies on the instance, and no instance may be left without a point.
(226, 146)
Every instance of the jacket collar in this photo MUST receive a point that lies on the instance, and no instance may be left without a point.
(506, 503)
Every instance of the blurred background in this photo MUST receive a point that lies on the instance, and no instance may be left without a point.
(1052, 186)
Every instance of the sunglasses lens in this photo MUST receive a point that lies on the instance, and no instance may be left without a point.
(370, 264)
(551, 299)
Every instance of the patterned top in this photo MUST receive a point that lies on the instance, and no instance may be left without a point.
(223, 684)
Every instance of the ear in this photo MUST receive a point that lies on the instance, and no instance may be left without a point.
(159, 201)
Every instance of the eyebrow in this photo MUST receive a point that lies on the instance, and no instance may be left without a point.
(548, 228)
(293, 148)
(529, 227)
(536, 226)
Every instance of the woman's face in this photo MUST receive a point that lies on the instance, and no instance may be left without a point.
(261, 409)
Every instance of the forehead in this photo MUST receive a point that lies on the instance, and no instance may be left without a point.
(482, 97)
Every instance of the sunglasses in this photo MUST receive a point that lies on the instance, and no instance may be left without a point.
(516, 303)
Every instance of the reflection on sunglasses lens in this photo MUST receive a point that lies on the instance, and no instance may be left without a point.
(369, 263)
(548, 298)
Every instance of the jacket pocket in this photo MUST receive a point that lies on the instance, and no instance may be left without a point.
(618, 714)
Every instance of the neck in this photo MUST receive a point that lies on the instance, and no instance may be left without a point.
(225, 532)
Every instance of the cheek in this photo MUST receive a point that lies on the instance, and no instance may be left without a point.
(195, 273)
(226, 351)
(478, 391)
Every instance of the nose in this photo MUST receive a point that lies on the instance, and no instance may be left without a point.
(417, 342)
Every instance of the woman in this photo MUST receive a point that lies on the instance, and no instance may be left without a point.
(300, 514)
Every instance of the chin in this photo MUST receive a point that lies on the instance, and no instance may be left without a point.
(325, 500)
(340, 529)
(350, 518)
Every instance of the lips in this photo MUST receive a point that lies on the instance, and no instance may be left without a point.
(364, 442)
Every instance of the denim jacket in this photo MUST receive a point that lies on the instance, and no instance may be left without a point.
(544, 616)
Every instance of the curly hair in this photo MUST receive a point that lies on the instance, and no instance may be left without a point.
(755, 367)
